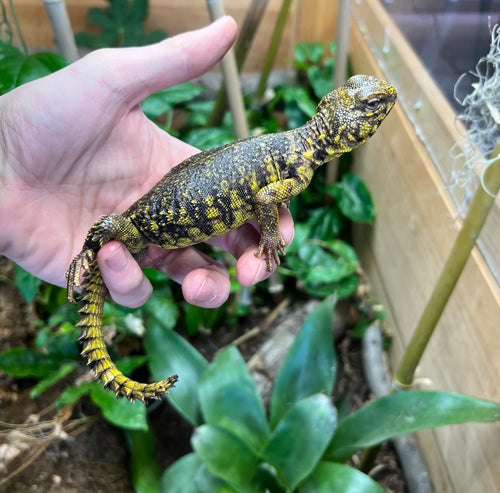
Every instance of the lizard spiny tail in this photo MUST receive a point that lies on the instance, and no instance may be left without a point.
(94, 292)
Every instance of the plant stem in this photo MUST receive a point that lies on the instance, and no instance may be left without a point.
(231, 79)
(273, 49)
(243, 43)
(465, 241)
(368, 457)
(18, 27)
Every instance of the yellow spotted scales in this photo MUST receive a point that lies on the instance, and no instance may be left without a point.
(216, 191)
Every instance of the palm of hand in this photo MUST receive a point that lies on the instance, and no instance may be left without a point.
(112, 155)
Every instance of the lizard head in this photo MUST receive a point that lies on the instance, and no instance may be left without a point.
(351, 114)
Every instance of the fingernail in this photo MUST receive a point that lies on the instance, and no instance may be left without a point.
(207, 292)
(117, 260)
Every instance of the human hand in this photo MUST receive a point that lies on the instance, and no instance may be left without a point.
(76, 145)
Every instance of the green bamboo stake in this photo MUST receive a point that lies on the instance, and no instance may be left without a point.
(273, 49)
(480, 206)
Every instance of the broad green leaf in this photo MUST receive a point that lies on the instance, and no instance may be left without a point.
(122, 24)
(179, 477)
(162, 308)
(329, 261)
(225, 489)
(131, 363)
(196, 317)
(61, 343)
(120, 412)
(343, 288)
(321, 79)
(145, 471)
(304, 53)
(52, 379)
(206, 482)
(190, 475)
(226, 456)
(26, 283)
(329, 477)
(406, 412)
(16, 68)
(71, 395)
(163, 101)
(300, 97)
(208, 138)
(300, 438)
(325, 223)
(21, 363)
(354, 198)
(310, 366)
(169, 354)
(229, 399)
(198, 112)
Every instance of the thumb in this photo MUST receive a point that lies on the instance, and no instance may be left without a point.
(136, 73)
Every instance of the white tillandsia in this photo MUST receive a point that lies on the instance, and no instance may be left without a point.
(481, 117)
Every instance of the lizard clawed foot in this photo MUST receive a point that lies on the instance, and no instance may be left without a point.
(271, 246)
(81, 261)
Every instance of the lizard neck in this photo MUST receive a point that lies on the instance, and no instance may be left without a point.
(315, 141)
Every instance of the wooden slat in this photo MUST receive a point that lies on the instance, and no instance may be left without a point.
(309, 20)
(403, 255)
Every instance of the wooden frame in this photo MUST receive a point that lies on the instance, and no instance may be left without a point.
(309, 20)
(405, 251)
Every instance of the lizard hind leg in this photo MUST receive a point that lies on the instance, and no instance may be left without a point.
(94, 347)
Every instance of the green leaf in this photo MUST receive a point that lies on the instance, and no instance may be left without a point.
(300, 438)
(131, 363)
(359, 330)
(304, 53)
(161, 309)
(330, 477)
(71, 395)
(170, 354)
(354, 198)
(325, 223)
(300, 97)
(21, 363)
(163, 101)
(229, 399)
(310, 366)
(120, 412)
(122, 24)
(208, 138)
(53, 378)
(225, 489)
(16, 68)
(321, 79)
(328, 261)
(61, 344)
(145, 472)
(178, 477)
(406, 412)
(27, 283)
(226, 456)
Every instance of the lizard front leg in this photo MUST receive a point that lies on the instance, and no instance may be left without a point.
(266, 211)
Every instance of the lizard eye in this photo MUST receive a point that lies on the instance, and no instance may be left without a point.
(373, 103)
